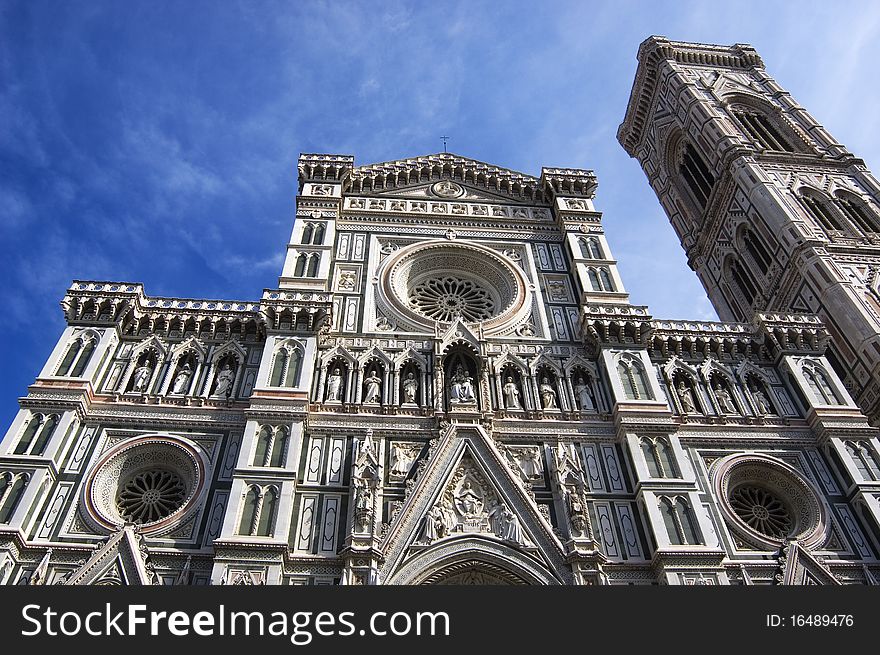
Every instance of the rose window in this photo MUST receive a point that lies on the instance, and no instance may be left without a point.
(765, 500)
(150, 496)
(154, 481)
(762, 511)
(448, 298)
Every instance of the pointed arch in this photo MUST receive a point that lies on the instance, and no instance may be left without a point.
(46, 432)
(268, 502)
(250, 506)
(300, 269)
(33, 425)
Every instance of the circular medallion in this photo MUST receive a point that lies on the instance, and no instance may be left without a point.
(447, 189)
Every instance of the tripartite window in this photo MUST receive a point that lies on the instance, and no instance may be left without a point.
(696, 175)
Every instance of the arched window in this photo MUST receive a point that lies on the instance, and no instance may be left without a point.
(278, 368)
(696, 175)
(633, 379)
(761, 129)
(264, 446)
(249, 511)
(605, 276)
(12, 490)
(865, 460)
(308, 231)
(658, 457)
(69, 356)
(590, 248)
(267, 512)
(318, 239)
(743, 281)
(585, 248)
(24, 444)
(819, 385)
(300, 269)
(821, 211)
(594, 279)
(279, 444)
(756, 249)
(679, 520)
(83, 359)
(857, 212)
(46, 432)
(294, 365)
(314, 260)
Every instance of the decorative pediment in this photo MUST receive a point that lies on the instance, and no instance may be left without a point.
(446, 190)
(122, 560)
(797, 566)
(467, 497)
(459, 334)
(447, 176)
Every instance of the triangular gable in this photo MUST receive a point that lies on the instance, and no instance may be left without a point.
(459, 333)
(467, 469)
(800, 567)
(123, 556)
(467, 193)
(469, 176)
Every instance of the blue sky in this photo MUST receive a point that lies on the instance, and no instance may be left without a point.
(156, 141)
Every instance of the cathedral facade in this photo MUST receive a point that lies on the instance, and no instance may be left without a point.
(449, 384)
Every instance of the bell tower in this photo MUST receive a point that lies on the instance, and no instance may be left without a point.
(774, 214)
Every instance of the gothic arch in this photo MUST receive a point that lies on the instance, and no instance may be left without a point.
(472, 553)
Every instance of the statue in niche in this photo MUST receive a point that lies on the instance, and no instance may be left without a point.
(401, 460)
(462, 390)
(224, 381)
(181, 380)
(548, 394)
(511, 394)
(584, 396)
(374, 388)
(468, 501)
(761, 402)
(410, 389)
(530, 463)
(142, 375)
(334, 386)
(687, 399)
(725, 402)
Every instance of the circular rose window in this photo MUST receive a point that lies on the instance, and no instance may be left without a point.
(441, 281)
(153, 481)
(766, 501)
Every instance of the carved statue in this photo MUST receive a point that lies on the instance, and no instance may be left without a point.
(410, 389)
(374, 388)
(530, 463)
(462, 390)
(496, 519)
(761, 402)
(434, 525)
(450, 520)
(401, 460)
(725, 402)
(511, 529)
(584, 396)
(469, 502)
(548, 394)
(224, 381)
(334, 386)
(181, 380)
(511, 394)
(142, 375)
(687, 399)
